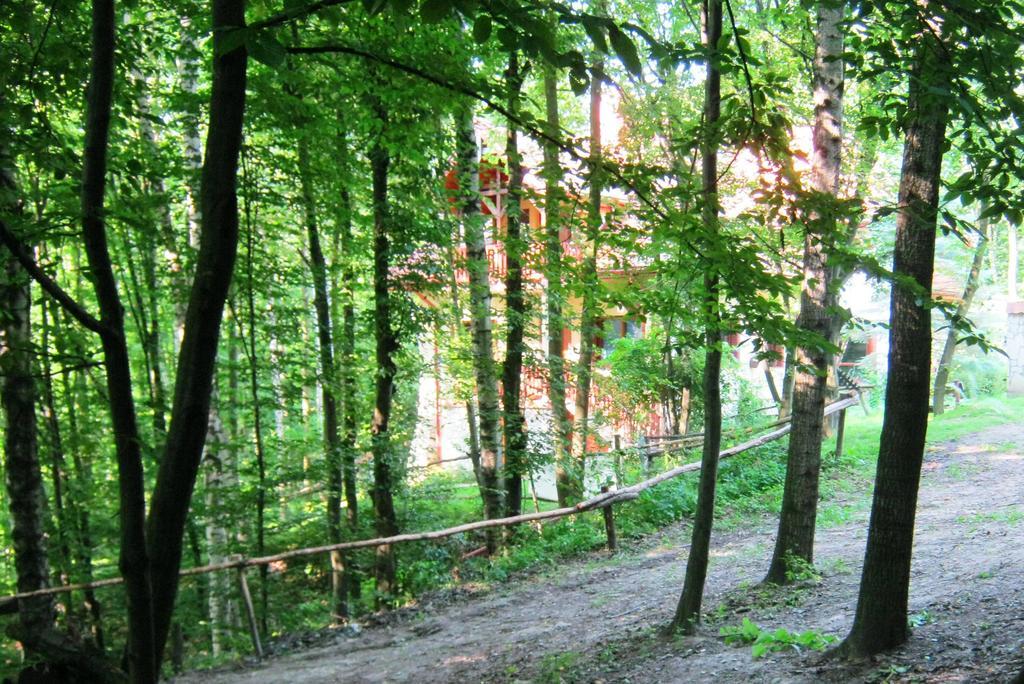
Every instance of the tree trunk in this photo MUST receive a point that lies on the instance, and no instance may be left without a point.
(458, 330)
(515, 307)
(134, 563)
(795, 538)
(962, 309)
(215, 264)
(480, 311)
(561, 428)
(151, 334)
(387, 345)
(331, 428)
(347, 362)
(65, 511)
(220, 476)
(591, 284)
(84, 485)
(26, 496)
(249, 344)
(881, 619)
(688, 610)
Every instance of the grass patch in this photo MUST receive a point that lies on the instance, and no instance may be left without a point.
(749, 484)
(1010, 516)
(764, 641)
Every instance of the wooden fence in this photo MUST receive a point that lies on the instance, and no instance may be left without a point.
(605, 500)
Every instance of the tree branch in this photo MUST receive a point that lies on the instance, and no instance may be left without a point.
(77, 311)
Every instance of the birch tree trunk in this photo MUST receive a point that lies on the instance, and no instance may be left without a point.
(1012, 262)
(591, 284)
(795, 539)
(480, 312)
(962, 309)
(26, 496)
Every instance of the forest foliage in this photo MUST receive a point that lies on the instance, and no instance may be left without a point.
(231, 229)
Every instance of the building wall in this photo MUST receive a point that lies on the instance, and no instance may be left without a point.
(1015, 347)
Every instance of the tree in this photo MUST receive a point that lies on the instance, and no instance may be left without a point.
(688, 609)
(962, 309)
(480, 313)
(881, 617)
(386, 345)
(590, 284)
(795, 539)
(555, 292)
(515, 310)
(21, 458)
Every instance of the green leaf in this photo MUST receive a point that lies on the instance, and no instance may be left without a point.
(433, 11)
(265, 48)
(231, 39)
(578, 80)
(625, 50)
(481, 29)
(595, 31)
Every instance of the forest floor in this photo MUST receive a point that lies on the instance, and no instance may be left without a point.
(599, 619)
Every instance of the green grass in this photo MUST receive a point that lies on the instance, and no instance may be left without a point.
(749, 484)
(1010, 516)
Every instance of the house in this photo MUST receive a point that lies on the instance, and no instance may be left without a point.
(442, 428)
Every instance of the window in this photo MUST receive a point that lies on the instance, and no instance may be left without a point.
(617, 328)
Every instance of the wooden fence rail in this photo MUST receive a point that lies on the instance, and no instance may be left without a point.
(602, 500)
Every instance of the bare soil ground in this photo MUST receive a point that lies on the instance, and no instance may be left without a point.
(600, 619)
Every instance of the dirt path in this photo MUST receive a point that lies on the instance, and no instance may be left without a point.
(597, 620)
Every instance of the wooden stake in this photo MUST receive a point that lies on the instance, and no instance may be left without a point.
(617, 443)
(840, 433)
(609, 524)
(250, 613)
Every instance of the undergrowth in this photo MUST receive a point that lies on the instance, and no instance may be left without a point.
(749, 484)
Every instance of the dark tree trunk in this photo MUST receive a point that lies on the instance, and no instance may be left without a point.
(515, 311)
(218, 245)
(387, 345)
(688, 611)
(249, 343)
(347, 349)
(134, 563)
(328, 388)
(555, 295)
(881, 619)
(795, 538)
(949, 347)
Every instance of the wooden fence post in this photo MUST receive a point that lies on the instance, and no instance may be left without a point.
(617, 459)
(840, 433)
(609, 523)
(250, 613)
